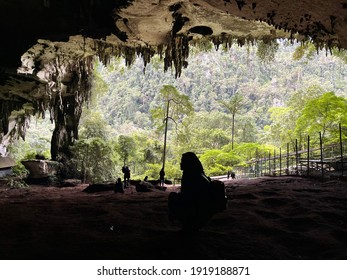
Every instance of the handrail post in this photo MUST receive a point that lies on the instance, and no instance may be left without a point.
(280, 162)
(341, 149)
(296, 157)
(274, 162)
(308, 155)
(321, 152)
(261, 166)
(287, 158)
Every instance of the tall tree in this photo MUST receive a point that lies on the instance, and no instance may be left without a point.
(234, 106)
(175, 106)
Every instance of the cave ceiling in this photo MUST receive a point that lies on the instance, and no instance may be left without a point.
(48, 46)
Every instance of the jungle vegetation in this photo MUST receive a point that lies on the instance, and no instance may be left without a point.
(227, 105)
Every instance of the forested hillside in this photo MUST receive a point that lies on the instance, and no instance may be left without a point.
(215, 76)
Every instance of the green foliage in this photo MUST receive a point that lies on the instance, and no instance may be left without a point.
(235, 104)
(267, 50)
(19, 170)
(126, 147)
(94, 159)
(214, 76)
(210, 120)
(306, 49)
(246, 130)
(298, 99)
(99, 86)
(204, 130)
(213, 139)
(218, 162)
(15, 182)
(175, 106)
(283, 128)
(171, 171)
(308, 113)
(249, 151)
(93, 125)
(37, 142)
(94, 156)
(341, 54)
(201, 45)
(152, 150)
(153, 170)
(323, 114)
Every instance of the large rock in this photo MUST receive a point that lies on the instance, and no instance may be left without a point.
(39, 169)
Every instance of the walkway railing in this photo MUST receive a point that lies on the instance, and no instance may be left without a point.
(325, 160)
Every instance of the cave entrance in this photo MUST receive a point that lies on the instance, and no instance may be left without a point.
(267, 77)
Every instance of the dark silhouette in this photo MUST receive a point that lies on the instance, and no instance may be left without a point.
(126, 172)
(145, 179)
(119, 186)
(199, 199)
(162, 177)
(231, 174)
(39, 156)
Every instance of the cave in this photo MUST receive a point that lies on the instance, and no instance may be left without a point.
(47, 56)
(46, 64)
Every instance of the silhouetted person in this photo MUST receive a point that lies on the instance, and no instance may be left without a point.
(126, 171)
(119, 186)
(199, 198)
(162, 177)
(232, 174)
(145, 179)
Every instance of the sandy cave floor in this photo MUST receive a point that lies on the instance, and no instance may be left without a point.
(267, 218)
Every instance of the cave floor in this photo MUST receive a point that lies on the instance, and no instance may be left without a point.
(266, 218)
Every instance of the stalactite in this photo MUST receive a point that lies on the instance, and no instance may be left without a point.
(64, 99)
(20, 113)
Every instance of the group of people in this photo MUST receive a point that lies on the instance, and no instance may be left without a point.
(120, 186)
(199, 198)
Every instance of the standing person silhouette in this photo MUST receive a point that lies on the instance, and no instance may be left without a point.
(126, 172)
(162, 177)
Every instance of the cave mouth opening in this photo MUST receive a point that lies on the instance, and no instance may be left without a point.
(123, 95)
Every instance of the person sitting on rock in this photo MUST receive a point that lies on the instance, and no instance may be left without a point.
(119, 188)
